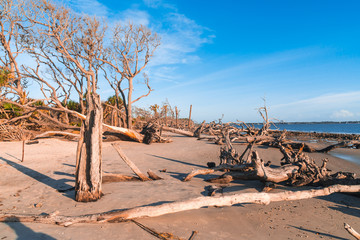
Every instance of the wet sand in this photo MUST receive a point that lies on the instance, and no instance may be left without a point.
(31, 187)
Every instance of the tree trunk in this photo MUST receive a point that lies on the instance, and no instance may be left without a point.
(88, 162)
(129, 112)
(189, 122)
(177, 115)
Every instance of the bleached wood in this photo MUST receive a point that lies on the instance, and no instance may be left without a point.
(153, 175)
(133, 167)
(198, 172)
(352, 231)
(52, 133)
(191, 204)
(124, 131)
(178, 131)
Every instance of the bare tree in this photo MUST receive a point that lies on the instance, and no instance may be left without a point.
(13, 30)
(64, 40)
(131, 50)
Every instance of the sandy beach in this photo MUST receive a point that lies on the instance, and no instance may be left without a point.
(32, 187)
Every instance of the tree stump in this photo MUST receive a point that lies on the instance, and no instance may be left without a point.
(88, 157)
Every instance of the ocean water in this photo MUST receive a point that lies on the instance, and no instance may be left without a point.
(348, 128)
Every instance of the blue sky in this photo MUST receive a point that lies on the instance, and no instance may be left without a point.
(224, 57)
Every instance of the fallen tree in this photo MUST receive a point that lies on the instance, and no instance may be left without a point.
(179, 206)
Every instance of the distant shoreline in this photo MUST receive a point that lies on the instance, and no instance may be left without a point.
(323, 122)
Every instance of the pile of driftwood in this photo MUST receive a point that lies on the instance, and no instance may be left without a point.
(297, 168)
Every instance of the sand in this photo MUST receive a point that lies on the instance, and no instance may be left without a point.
(31, 187)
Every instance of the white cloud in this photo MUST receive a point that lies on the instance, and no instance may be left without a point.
(325, 101)
(320, 108)
(90, 7)
(153, 3)
(135, 16)
(181, 37)
(342, 114)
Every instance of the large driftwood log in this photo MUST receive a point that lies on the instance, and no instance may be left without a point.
(178, 131)
(174, 207)
(54, 133)
(124, 131)
(133, 167)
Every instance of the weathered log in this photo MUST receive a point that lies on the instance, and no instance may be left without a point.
(198, 172)
(153, 176)
(352, 231)
(337, 145)
(178, 131)
(133, 167)
(124, 131)
(179, 206)
(88, 157)
(54, 133)
(112, 177)
(197, 132)
(257, 171)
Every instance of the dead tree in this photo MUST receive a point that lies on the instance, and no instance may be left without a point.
(130, 52)
(13, 31)
(88, 163)
(75, 42)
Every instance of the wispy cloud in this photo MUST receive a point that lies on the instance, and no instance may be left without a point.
(133, 15)
(181, 37)
(320, 108)
(233, 73)
(153, 3)
(342, 114)
(90, 7)
(325, 101)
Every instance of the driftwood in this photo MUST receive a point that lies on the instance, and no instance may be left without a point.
(197, 132)
(153, 176)
(352, 231)
(179, 206)
(112, 177)
(152, 133)
(257, 171)
(178, 131)
(54, 133)
(198, 172)
(130, 163)
(338, 145)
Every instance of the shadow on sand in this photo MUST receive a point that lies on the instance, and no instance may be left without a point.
(58, 185)
(24, 233)
(178, 161)
(345, 203)
(319, 234)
